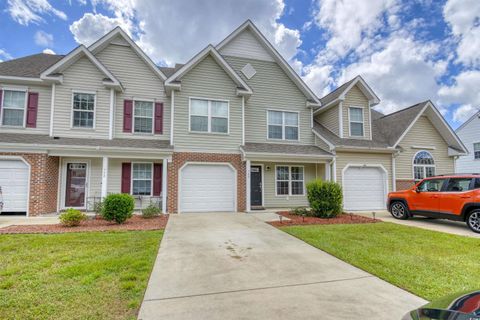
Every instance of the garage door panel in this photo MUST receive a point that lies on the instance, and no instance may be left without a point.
(14, 183)
(364, 188)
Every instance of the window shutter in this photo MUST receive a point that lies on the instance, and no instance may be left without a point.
(126, 177)
(157, 179)
(32, 107)
(127, 115)
(159, 117)
(1, 92)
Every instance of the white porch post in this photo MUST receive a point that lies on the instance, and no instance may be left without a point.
(104, 177)
(164, 186)
(328, 171)
(334, 169)
(248, 187)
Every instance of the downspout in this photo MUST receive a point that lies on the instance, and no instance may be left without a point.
(172, 115)
(52, 109)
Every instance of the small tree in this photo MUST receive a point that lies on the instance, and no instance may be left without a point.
(325, 198)
(118, 207)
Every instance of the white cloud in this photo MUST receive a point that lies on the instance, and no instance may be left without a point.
(463, 91)
(319, 78)
(91, 27)
(464, 112)
(43, 38)
(30, 11)
(48, 51)
(4, 55)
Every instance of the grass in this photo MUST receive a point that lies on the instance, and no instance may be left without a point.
(427, 263)
(91, 275)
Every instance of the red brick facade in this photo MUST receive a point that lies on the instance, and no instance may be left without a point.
(43, 182)
(404, 184)
(180, 158)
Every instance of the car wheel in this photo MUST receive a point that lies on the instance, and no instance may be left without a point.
(473, 220)
(399, 210)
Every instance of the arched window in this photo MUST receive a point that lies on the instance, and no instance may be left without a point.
(423, 165)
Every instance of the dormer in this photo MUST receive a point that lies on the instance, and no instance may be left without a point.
(346, 111)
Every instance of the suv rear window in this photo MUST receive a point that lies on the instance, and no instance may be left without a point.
(458, 184)
(431, 185)
(477, 184)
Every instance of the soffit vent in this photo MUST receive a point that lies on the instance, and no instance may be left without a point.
(249, 71)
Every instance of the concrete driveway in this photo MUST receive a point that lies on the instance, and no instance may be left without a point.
(235, 266)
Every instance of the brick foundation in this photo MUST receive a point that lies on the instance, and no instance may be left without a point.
(180, 158)
(404, 184)
(43, 182)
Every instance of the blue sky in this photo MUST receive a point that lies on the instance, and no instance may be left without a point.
(408, 51)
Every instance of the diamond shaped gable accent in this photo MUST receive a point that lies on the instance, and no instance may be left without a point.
(249, 71)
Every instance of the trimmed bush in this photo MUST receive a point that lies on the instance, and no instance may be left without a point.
(151, 211)
(97, 207)
(300, 211)
(118, 207)
(325, 198)
(72, 217)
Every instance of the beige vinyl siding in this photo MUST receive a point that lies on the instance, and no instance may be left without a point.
(209, 81)
(43, 112)
(320, 143)
(355, 98)
(269, 187)
(272, 89)
(139, 81)
(357, 158)
(246, 45)
(423, 134)
(81, 76)
(330, 120)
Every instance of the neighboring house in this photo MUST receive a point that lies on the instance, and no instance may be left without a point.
(469, 133)
(233, 129)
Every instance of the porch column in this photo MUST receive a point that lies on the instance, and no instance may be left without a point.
(334, 169)
(328, 171)
(164, 186)
(247, 185)
(104, 177)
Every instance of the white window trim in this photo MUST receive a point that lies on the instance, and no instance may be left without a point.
(132, 179)
(289, 181)
(283, 125)
(134, 101)
(94, 93)
(209, 116)
(476, 159)
(350, 121)
(423, 166)
(22, 89)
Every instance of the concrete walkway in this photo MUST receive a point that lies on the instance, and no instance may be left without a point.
(6, 221)
(447, 226)
(235, 266)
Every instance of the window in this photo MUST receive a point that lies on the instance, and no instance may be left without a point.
(356, 121)
(423, 165)
(142, 179)
(208, 116)
(477, 184)
(289, 180)
(433, 185)
(476, 151)
(143, 117)
(458, 184)
(13, 108)
(282, 125)
(83, 110)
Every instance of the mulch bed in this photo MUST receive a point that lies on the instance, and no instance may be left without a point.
(343, 218)
(93, 224)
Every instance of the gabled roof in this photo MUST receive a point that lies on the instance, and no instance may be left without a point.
(54, 71)
(476, 115)
(339, 93)
(29, 66)
(276, 56)
(103, 42)
(174, 81)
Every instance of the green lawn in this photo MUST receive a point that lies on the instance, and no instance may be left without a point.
(91, 275)
(427, 263)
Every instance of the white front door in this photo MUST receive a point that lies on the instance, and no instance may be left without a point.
(364, 188)
(207, 188)
(14, 184)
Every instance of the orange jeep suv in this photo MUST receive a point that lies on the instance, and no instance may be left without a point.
(453, 197)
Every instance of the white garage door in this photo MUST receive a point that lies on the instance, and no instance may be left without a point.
(364, 188)
(207, 188)
(14, 183)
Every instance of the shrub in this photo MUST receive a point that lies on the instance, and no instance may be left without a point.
(325, 198)
(151, 211)
(72, 217)
(97, 207)
(118, 207)
(300, 211)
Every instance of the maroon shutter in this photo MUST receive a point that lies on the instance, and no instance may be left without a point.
(159, 117)
(157, 179)
(1, 100)
(127, 115)
(32, 107)
(126, 176)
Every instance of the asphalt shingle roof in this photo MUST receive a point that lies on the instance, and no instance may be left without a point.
(30, 66)
(284, 149)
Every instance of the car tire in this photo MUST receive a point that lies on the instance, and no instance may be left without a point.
(399, 210)
(473, 220)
